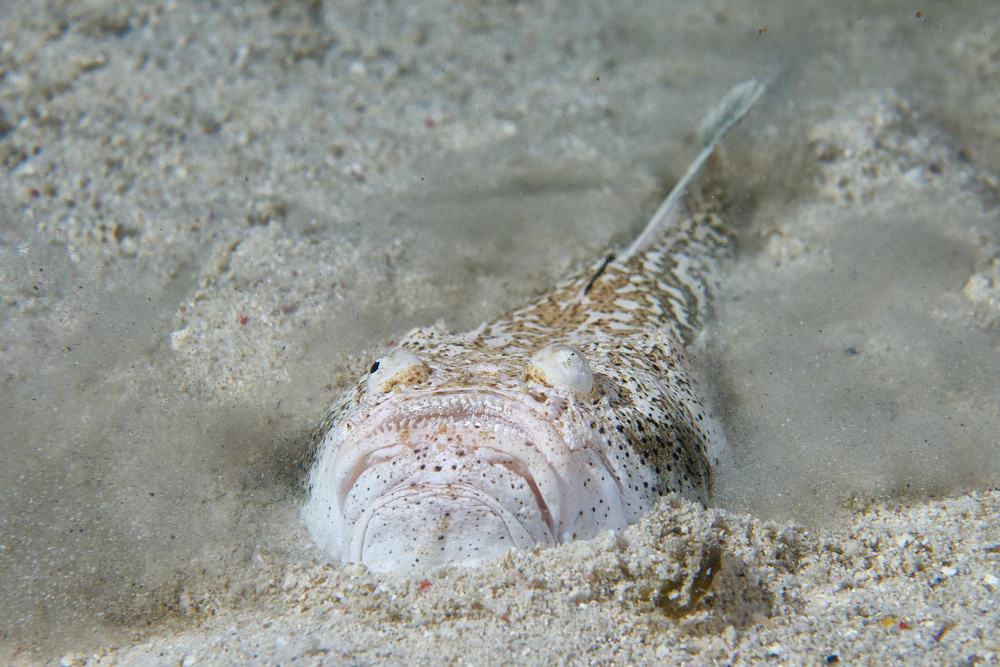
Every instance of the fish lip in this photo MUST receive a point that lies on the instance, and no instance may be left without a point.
(515, 529)
(510, 410)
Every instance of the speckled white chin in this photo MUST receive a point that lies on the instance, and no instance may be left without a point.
(455, 477)
(451, 523)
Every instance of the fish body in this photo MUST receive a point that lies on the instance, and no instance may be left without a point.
(566, 418)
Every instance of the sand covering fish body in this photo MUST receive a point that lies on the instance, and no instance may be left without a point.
(566, 418)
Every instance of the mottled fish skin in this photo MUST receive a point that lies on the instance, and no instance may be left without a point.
(568, 417)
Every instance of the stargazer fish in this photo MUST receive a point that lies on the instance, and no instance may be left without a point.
(566, 418)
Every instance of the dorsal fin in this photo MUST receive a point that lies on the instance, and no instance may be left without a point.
(714, 126)
(663, 279)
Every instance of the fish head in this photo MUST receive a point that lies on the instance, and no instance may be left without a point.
(436, 458)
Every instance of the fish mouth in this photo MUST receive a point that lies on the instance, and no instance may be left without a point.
(488, 452)
(424, 525)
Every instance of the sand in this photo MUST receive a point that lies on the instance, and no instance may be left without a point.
(215, 216)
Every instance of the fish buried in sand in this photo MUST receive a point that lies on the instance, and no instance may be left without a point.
(568, 417)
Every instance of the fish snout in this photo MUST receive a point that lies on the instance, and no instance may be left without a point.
(456, 478)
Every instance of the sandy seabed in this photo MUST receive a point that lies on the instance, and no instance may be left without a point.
(214, 216)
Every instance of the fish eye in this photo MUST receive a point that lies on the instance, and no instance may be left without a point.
(561, 365)
(397, 368)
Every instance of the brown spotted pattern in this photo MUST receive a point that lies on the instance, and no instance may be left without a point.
(631, 323)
